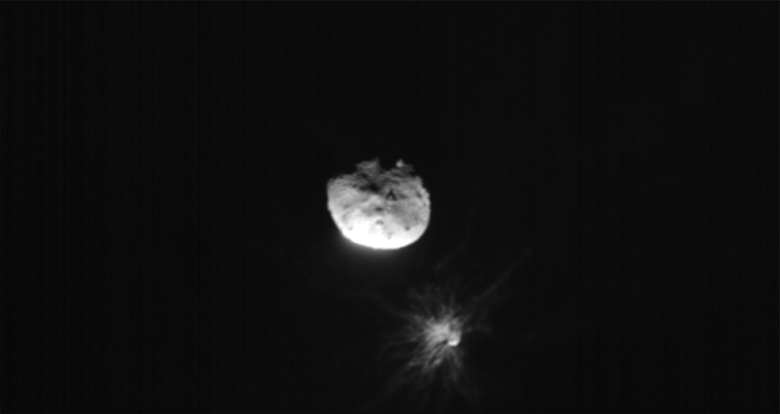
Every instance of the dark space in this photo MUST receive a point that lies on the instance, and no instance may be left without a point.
(167, 247)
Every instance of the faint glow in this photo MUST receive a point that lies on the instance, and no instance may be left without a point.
(426, 360)
(439, 332)
(436, 335)
(425, 352)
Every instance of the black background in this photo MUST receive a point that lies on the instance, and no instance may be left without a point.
(166, 246)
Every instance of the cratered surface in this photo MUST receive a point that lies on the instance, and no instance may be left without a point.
(379, 209)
